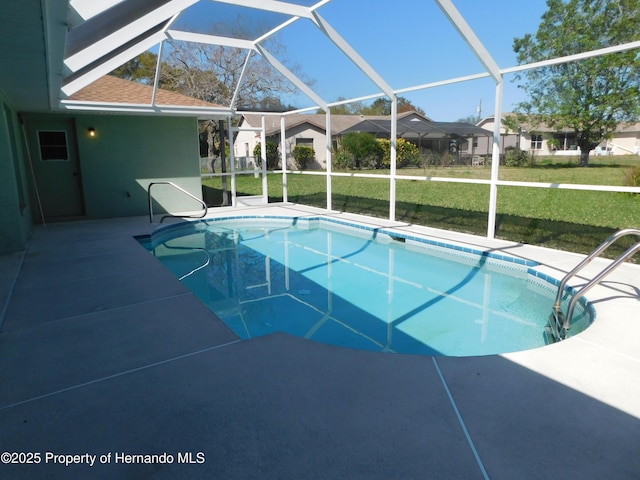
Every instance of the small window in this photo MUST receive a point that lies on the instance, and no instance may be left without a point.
(53, 145)
(307, 142)
(536, 142)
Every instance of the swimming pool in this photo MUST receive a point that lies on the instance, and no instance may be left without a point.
(360, 287)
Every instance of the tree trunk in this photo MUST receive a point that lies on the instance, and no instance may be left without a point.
(210, 144)
(584, 157)
(223, 167)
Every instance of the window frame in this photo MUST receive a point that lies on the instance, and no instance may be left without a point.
(42, 147)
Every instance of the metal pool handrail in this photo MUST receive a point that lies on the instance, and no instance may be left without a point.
(559, 323)
(204, 205)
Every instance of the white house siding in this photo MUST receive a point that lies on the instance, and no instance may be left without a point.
(244, 145)
(626, 141)
(507, 139)
(300, 131)
(308, 132)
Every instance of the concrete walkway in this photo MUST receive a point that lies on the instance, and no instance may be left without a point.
(106, 356)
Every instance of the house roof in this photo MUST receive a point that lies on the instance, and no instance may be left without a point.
(629, 127)
(530, 126)
(417, 127)
(339, 123)
(272, 126)
(110, 89)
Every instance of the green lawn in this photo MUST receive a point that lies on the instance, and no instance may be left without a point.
(571, 220)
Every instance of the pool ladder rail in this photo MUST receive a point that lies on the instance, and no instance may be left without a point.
(559, 323)
(150, 200)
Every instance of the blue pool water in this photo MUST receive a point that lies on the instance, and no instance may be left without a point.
(359, 287)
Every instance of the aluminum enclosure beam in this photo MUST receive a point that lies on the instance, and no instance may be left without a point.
(471, 38)
(574, 57)
(291, 77)
(236, 92)
(272, 6)
(198, 112)
(89, 75)
(85, 9)
(210, 39)
(103, 33)
(354, 56)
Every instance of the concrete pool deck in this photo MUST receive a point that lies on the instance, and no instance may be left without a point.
(104, 353)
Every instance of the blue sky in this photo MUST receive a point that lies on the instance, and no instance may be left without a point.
(408, 42)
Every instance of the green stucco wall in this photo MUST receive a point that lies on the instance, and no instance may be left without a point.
(116, 166)
(129, 152)
(15, 202)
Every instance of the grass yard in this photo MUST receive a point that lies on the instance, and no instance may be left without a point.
(570, 220)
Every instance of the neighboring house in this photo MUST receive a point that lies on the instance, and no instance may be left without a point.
(310, 130)
(457, 138)
(300, 129)
(542, 140)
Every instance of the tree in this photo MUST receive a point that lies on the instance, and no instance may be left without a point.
(212, 73)
(363, 149)
(381, 106)
(272, 151)
(591, 96)
(303, 156)
(141, 69)
(407, 154)
(352, 108)
(472, 119)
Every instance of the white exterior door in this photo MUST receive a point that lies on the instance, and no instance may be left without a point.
(53, 152)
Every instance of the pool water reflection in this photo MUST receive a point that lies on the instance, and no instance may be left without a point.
(357, 288)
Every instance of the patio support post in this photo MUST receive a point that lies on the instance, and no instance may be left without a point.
(328, 157)
(263, 156)
(495, 163)
(392, 179)
(156, 79)
(232, 161)
(283, 160)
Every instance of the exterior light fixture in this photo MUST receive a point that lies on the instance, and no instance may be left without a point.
(92, 131)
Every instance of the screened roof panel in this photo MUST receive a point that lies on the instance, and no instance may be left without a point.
(228, 20)
(405, 45)
(264, 88)
(497, 31)
(304, 3)
(322, 65)
(322, 51)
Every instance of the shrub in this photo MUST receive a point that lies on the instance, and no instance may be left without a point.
(303, 156)
(632, 177)
(273, 155)
(363, 148)
(428, 159)
(343, 160)
(553, 143)
(514, 157)
(434, 159)
(407, 154)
